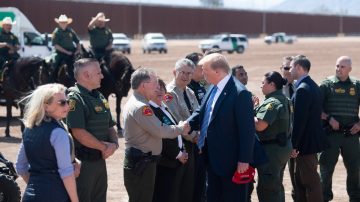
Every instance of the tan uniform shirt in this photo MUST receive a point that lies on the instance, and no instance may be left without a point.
(175, 102)
(142, 129)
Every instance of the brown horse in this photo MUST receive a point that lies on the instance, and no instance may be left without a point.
(116, 80)
(19, 79)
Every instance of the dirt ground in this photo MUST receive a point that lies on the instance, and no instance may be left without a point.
(258, 59)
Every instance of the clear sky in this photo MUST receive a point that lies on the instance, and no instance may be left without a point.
(248, 4)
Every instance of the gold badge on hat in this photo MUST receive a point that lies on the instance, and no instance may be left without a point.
(72, 104)
(352, 91)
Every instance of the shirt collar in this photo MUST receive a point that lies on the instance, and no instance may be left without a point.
(276, 92)
(221, 85)
(297, 83)
(152, 103)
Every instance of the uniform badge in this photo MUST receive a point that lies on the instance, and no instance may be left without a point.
(72, 104)
(147, 111)
(70, 35)
(12, 37)
(106, 103)
(352, 91)
(339, 90)
(168, 97)
(98, 108)
(269, 106)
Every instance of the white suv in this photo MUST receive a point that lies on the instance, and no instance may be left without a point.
(226, 42)
(154, 42)
(121, 43)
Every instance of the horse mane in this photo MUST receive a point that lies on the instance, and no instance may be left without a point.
(27, 64)
(119, 60)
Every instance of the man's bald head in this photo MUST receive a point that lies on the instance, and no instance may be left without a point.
(344, 59)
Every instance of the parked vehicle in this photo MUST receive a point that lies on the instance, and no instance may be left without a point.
(154, 42)
(226, 42)
(9, 189)
(121, 43)
(31, 41)
(280, 37)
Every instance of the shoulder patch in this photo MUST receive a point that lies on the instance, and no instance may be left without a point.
(147, 111)
(72, 104)
(168, 97)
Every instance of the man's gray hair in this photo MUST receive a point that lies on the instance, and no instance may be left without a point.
(184, 62)
(140, 75)
(81, 63)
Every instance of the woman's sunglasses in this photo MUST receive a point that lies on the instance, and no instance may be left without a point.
(62, 103)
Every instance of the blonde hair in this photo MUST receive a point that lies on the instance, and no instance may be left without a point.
(34, 112)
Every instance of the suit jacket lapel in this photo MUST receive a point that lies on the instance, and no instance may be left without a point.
(225, 92)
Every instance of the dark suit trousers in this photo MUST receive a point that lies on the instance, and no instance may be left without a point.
(222, 189)
(307, 179)
(200, 176)
(166, 188)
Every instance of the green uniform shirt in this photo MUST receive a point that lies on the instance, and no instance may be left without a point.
(9, 38)
(275, 111)
(100, 38)
(67, 38)
(89, 110)
(341, 99)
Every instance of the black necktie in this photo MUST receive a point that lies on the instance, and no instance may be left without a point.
(187, 101)
(291, 90)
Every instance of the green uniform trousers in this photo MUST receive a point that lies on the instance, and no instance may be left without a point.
(270, 187)
(92, 182)
(350, 152)
(140, 188)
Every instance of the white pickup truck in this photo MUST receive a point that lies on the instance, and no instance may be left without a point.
(31, 41)
(280, 37)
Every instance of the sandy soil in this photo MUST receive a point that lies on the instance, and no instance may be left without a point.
(258, 59)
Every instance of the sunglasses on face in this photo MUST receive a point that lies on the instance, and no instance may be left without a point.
(286, 68)
(62, 103)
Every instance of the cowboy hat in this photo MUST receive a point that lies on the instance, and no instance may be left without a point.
(63, 18)
(101, 17)
(8, 21)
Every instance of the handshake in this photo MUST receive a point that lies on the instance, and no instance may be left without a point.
(185, 127)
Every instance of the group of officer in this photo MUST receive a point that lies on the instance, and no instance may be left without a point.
(64, 39)
(273, 122)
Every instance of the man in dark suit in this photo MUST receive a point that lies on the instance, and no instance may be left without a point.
(227, 131)
(307, 135)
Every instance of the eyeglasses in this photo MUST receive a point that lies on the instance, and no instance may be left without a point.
(62, 103)
(287, 68)
(186, 73)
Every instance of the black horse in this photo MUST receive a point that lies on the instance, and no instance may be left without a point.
(116, 80)
(65, 74)
(18, 80)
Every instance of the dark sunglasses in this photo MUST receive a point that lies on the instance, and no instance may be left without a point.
(286, 68)
(62, 103)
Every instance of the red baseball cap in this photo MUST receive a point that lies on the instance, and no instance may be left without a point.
(245, 177)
